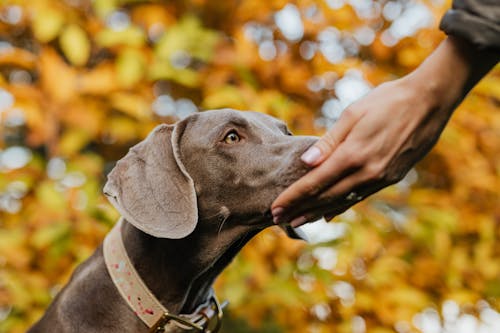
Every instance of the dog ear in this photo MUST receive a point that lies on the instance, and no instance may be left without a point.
(151, 188)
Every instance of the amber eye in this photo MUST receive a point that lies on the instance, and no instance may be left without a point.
(232, 137)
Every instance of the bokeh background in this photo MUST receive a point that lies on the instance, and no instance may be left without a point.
(81, 81)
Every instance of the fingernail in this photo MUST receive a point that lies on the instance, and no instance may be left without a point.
(298, 221)
(277, 212)
(311, 155)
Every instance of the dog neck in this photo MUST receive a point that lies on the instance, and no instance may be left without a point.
(180, 272)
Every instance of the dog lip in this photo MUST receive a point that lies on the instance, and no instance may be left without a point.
(262, 221)
(263, 225)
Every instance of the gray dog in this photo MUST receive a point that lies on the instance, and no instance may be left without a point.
(190, 195)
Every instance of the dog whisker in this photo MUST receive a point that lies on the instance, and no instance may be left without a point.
(223, 220)
(223, 216)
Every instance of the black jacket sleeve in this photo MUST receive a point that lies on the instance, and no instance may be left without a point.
(477, 21)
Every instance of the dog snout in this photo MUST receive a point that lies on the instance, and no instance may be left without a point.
(302, 144)
(293, 166)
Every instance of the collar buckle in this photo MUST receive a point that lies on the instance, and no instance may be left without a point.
(159, 327)
(199, 325)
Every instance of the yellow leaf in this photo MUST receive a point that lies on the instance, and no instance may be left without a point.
(133, 105)
(489, 86)
(122, 129)
(227, 96)
(17, 57)
(17, 288)
(48, 196)
(72, 141)
(57, 78)
(47, 236)
(46, 24)
(104, 7)
(187, 36)
(75, 45)
(132, 36)
(101, 80)
(162, 69)
(130, 67)
(12, 248)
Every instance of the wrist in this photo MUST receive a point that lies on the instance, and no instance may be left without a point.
(450, 72)
(442, 76)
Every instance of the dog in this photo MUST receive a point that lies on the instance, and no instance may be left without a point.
(190, 196)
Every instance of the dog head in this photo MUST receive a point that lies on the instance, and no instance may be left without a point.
(214, 162)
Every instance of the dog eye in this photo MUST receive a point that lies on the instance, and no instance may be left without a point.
(232, 137)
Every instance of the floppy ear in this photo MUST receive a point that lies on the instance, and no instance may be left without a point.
(151, 188)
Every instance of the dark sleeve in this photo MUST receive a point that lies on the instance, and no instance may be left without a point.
(477, 21)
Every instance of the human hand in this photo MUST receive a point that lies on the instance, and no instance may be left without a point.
(374, 144)
(380, 137)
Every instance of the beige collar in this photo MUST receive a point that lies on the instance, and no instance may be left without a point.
(141, 300)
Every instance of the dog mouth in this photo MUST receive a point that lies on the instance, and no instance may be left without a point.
(266, 221)
(259, 221)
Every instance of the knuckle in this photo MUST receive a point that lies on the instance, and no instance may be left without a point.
(351, 158)
(311, 188)
(355, 160)
(349, 112)
(375, 172)
(327, 143)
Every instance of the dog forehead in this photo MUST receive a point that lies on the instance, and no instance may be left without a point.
(211, 119)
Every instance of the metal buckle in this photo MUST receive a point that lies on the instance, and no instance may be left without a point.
(159, 327)
(218, 308)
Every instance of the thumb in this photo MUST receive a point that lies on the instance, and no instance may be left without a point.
(325, 146)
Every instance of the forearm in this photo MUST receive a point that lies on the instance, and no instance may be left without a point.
(450, 72)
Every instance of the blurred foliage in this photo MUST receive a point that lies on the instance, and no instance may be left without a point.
(81, 81)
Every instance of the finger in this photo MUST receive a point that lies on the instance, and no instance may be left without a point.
(313, 211)
(324, 147)
(290, 204)
(357, 185)
(303, 219)
(326, 211)
(351, 189)
(337, 165)
(318, 212)
(330, 215)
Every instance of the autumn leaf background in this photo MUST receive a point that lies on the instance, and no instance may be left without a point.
(81, 81)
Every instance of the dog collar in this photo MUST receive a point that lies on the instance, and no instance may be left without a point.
(206, 318)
